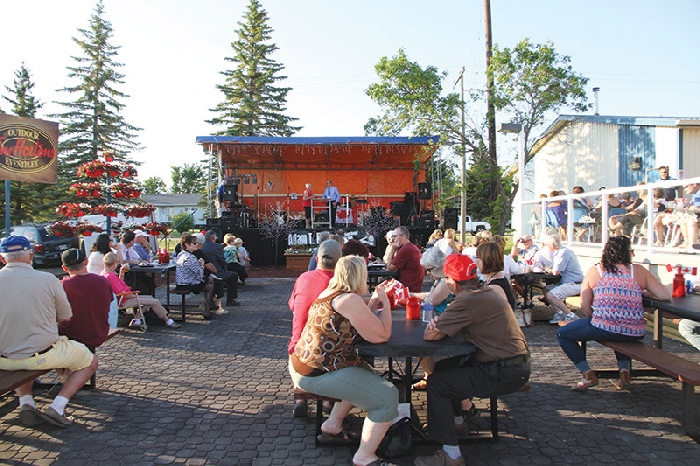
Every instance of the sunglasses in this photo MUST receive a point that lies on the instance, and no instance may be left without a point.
(429, 269)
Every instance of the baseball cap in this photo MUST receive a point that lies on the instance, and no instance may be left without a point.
(139, 232)
(15, 243)
(72, 256)
(329, 252)
(459, 267)
(239, 241)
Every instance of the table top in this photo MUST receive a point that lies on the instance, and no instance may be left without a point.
(407, 341)
(152, 267)
(532, 276)
(687, 307)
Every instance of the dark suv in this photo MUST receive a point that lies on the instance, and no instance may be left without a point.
(47, 248)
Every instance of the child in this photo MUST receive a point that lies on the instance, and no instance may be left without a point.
(234, 258)
(119, 286)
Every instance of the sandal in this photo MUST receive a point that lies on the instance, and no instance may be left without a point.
(588, 380)
(343, 437)
(422, 384)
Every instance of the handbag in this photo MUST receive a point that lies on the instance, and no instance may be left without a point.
(398, 440)
(397, 293)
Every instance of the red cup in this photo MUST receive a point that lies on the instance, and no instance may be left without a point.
(413, 308)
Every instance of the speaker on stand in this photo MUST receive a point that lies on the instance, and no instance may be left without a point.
(230, 193)
(449, 218)
(424, 191)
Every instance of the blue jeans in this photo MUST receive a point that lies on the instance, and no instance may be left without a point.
(579, 330)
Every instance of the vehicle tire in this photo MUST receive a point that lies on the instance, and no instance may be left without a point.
(479, 228)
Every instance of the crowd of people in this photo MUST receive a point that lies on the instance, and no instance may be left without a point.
(674, 220)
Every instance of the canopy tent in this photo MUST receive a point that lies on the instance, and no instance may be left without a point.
(272, 171)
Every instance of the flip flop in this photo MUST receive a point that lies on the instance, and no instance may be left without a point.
(343, 437)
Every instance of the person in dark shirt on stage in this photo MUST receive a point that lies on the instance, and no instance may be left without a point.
(406, 260)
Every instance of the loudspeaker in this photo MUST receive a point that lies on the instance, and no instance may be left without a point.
(228, 224)
(424, 191)
(427, 220)
(231, 193)
(400, 209)
(449, 218)
(213, 223)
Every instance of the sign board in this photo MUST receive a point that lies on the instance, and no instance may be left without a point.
(28, 149)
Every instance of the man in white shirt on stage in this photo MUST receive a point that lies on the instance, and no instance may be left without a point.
(332, 195)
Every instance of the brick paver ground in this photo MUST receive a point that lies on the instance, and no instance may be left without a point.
(218, 392)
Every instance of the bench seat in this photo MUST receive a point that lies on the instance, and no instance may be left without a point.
(300, 394)
(687, 372)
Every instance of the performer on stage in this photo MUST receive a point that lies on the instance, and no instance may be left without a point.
(332, 195)
(307, 196)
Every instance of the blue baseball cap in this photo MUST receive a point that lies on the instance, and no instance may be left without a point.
(15, 243)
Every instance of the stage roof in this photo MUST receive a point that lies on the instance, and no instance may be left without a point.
(306, 153)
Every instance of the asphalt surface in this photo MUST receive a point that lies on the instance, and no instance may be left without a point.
(218, 392)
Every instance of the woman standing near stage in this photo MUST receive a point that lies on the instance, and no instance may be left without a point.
(307, 196)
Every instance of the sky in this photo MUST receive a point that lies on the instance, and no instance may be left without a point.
(639, 53)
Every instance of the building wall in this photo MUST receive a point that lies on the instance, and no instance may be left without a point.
(690, 138)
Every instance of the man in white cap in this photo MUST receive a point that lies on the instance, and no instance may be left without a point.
(141, 246)
(31, 302)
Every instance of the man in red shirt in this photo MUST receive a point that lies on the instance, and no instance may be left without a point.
(406, 260)
(306, 289)
(90, 296)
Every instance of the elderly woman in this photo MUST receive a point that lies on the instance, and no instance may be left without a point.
(325, 361)
(189, 273)
(611, 297)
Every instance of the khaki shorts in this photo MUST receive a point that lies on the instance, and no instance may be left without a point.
(65, 354)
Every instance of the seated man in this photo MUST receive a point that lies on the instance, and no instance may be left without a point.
(215, 254)
(406, 260)
(557, 260)
(500, 365)
(31, 302)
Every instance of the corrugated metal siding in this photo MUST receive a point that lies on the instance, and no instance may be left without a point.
(691, 152)
(635, 141)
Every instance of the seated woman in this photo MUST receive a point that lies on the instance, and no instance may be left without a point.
(489, 261)
(611, 297)
(447, 244)
(325, 361)
(434, 238)
(189, 274)
(432, 260)
(131, 300)
(102, 246)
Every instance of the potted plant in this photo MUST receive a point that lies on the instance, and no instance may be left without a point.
(87, 228)
(62, 229)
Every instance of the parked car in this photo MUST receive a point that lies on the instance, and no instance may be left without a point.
(47, 248)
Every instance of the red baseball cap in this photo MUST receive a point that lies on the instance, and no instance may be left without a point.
(459, 267)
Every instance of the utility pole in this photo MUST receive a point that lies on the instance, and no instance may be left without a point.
(490, 109)
(463, 207)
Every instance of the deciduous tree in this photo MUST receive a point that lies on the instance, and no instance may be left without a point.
(154, 185)
(188, 179)
(253, 105)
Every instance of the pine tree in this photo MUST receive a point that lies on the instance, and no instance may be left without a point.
(93, 122)
(253, 106)
(29, 201)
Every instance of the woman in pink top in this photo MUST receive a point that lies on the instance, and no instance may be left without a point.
(131, 300)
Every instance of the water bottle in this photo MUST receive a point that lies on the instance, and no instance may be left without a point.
(427, 309)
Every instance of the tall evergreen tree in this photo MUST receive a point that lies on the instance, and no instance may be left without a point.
(29, 201)
(253, 105)
(93, 121)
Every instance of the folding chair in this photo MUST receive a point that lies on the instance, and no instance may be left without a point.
(136, 310)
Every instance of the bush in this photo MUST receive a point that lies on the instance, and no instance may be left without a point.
(182, 225)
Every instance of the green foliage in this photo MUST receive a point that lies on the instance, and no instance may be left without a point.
(188, 179)
(253, 105)
(154, 185)
(93, 121)
(30, 202)
(179, 223)
(532, 81)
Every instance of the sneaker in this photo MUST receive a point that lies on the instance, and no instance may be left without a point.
(439, 458)
(625, 382)
(30, 416)
(52, 416)
(519, 317)
(559, 315)
(470, 413)
(136, 324)
(588, 380)
(173, 324)
(570, 317)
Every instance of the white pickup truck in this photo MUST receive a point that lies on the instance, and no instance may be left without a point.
(472, 226)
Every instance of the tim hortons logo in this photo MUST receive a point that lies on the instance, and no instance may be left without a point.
(25, 149)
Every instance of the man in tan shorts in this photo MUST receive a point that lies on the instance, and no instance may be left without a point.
(31, 303)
